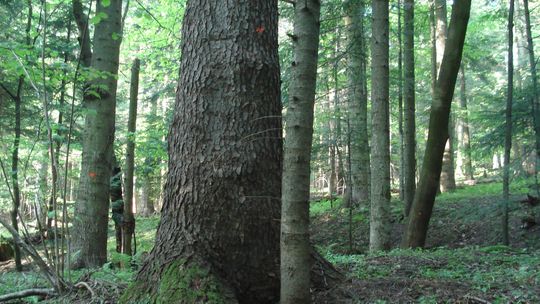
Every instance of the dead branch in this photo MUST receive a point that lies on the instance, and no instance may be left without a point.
(56, 282)
(45, 292)
(472, 299)
(85, 285)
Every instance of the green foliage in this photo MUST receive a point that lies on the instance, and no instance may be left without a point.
(318, 208)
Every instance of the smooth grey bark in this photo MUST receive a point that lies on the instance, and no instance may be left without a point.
(508, 125)
(128, 224)
(89, 242)
(81, 19)
(447, 180)
(379, 233)
(357, 100)
(424, 199)
(150, 179)
(295, 246)
(409, 128)
(464, 137)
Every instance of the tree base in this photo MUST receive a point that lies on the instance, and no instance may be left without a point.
(182, 282)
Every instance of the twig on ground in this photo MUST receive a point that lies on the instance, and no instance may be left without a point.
(472, 299)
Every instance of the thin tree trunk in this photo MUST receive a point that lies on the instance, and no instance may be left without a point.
(409, 133)
(339, 167)
(91, 210)
(535, 101)
(400, 104)
(15, 170)
(16, 143)
(357, 101)
(464, 133)
(447, 180)
(379, 234)
(508, 129)
(424, 199)
(295, 247)
(117, 202)
(129, 220)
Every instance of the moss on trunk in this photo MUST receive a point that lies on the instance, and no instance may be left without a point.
(182, 282)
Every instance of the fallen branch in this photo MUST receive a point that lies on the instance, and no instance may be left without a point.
(85, 285)
(476, 300)
(45, 292)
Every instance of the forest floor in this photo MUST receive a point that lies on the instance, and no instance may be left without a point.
(462, 262)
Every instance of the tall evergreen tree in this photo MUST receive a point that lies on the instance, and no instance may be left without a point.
(295, 246)
(409, 128)
(89, 243)
(221, 207)
(357, 99)
(379, 235)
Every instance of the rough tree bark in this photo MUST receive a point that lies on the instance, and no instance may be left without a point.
(295, 246)
(221, 209)
(357, 101)
(508, 123)
(409, 130)
(128, 220)
(89, 243)
(424, 199)
(379, 234)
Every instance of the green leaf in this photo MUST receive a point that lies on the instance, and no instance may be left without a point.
(115, 36)
(97, 18)
(105, 3)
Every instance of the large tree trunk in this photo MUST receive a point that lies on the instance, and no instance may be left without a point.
(295, 247)
(357, 101)
(409, 130)
(220, 218)
(129, 221)
(464, 136)
(508, 128)
(424, 199)
(379, 234)
(91, 210)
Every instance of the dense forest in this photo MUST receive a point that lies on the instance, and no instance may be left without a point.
(269, 151)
